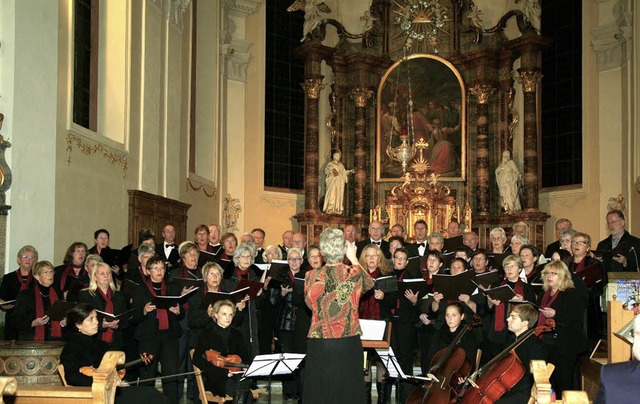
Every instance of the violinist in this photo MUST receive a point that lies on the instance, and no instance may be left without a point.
(454, 319)
(563, 302)
(523, 317)
(497, 332)
(227, 341)
(84, 349)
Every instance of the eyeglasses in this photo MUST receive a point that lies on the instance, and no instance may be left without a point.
(27, 257)
(46, 273)
(214, 274)
(294, 259)
(610, 222)
(578, 242)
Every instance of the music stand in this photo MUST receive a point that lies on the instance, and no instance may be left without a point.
(390, 362)
(274, 365)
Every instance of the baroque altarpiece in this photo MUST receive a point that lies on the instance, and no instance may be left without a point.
(422, 108)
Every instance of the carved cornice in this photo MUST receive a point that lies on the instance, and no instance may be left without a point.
(174, 10)
(610, 45)
(361, 95)
(312, 87)
(241, 8)
(529, 79)
(482, 91)
(115, 158)
(235, 63)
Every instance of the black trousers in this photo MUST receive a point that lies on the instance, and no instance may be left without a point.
(164, 348)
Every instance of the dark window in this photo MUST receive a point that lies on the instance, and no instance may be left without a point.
(562, 94)
(284, 99)
(85, 67)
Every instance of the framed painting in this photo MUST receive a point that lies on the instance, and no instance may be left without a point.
(423, 98)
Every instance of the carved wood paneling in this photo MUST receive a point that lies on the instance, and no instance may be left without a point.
(154, 211)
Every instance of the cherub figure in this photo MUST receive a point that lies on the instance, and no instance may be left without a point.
(312, 16)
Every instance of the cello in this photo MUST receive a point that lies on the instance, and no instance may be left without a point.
(501, 373)
(447, 364)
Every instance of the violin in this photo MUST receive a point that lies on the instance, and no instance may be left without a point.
(233, 363)
(144, 359)
(447, 366)
(501, 373)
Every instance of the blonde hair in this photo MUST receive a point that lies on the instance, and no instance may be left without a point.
(564, 276)
(383, 264)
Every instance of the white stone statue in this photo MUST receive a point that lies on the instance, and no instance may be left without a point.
(336, 176)
(312, 16)
(508, 178)
(532, 11)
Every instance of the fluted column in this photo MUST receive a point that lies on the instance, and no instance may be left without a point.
(482, 91)
(360, 96)
(529, 78)
(312, 86)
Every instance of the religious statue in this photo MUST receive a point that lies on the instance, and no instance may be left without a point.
(336, 176)
(508, 178)
(312, 16)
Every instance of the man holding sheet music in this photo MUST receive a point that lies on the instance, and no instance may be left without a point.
(619, 251)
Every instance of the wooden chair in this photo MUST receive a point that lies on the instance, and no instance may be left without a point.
(61, 373)
(206, 396)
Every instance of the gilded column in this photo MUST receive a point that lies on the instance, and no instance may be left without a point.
(482, 91)
(360, 96)
(529, 78)
(312, 86)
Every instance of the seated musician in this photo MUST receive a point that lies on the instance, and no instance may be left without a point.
(522, 318)
(619, 381)
(84, 350)
(227, 341)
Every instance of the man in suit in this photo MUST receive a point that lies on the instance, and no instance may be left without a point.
(376, 229)
(619, 381)
(397, 230)
(454, 236)
(419, 246)
(214, 239)
(622, 245)
(287, 242)
(470, 239)
(258, 239)
(350, 234)
(168, 250)
(562, 224)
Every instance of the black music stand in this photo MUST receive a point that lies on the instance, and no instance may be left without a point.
(274, 365)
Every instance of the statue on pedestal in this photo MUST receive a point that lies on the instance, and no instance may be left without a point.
(508, 178)
(336, 176)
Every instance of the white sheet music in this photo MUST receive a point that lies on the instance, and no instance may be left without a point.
(373, 330)
(274, 364)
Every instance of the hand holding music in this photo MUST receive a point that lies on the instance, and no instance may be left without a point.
(493, 302)
(437, 297)
(148, 308)
(412, 297)
(548, 312)
(175, 309)
(110, 324)
(40, 321)
(242, 303)
(425, 319)
(464, 298)
(186, 290)
(378, 294)
(285, 290)
(619, 258)
(517, 298)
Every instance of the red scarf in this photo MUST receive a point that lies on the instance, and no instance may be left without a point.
(500, 313)
(547, 301)
(107, 335)
(369, 307)
(161, 314)
(243, 274)
(24, 284)
(68, 271)
(56, 330)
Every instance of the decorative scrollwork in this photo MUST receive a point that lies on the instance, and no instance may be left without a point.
(529, 79)
(482, 91)
(312, 87)
(360, 95)
(88, 150)
(231, 213)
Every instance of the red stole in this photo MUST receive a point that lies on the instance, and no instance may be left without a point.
(24, 284)
(107, 335)
(161, 314)
(547, 301)
(56, 330)
(369, 307)
(240, 274)
(499, 323)
(67, 271)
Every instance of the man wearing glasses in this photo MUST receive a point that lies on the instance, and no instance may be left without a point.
(376, 229)
(620, 249)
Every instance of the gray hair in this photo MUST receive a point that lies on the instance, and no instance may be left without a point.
(437, 236)
(270, 247)
(498, 231)
(211, 266)
(522, 239)
(294, 250)
(332, 245)
(243, 248)
(93, 257)
(144, 249)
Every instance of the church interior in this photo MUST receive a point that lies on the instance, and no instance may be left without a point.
(180, 116)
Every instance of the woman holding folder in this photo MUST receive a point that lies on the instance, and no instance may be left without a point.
(157, 327)
(32, 304)
(333, 371)
(102, 295)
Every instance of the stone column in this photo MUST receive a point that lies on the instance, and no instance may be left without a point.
(360, 96)
(312, 86)
(482, 91)
(529, 78)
